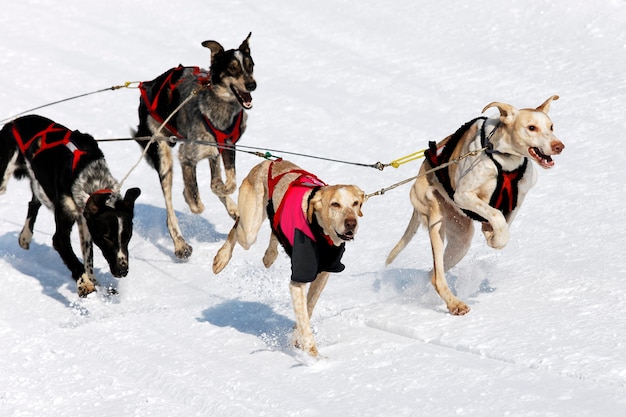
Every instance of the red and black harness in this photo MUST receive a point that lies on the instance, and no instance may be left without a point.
(504, 197)
(310, 249)
(161, 97)
(52, 136)
(305, 179)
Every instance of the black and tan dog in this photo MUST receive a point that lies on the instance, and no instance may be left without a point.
(215, 113)
(489, 186)
(69, 175)
(310, 219)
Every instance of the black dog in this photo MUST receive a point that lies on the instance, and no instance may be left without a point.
(215, 113)
(69, 175)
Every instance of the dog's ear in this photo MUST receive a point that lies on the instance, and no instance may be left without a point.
(507, 112)
(215, 48)
(131, 195)
(362, 197)
(315, 204)
(95, 203)
(545, 107)
(245, 46)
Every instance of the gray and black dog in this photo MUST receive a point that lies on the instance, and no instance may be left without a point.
(69, 175)
(215, 113)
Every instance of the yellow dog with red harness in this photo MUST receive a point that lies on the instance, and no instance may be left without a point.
(311, 220)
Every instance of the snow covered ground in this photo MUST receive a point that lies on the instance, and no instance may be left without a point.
(361, 81)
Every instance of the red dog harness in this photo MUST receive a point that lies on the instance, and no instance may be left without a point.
(311, 251)
(161, 97)
(292, 200)
(50, 139)
(504, 196)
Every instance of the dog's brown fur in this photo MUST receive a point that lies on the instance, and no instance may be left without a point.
(520, 134)
(336, 208)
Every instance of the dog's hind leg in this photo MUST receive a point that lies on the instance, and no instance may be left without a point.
(246, 228)
(191, 192)
(436, 230)
(26, 235)
(182, 249)
(225, 253)
(459, 232)
(189, 154)
(159, 156)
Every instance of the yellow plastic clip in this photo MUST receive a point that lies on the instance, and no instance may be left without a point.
(408, 158)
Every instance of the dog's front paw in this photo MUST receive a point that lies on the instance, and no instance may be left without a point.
(85, 286)
(499, 241)
(305, 344)
(25, 238)
(220, 189)
(183, 250)
(219, 263)
(194, 202)
(458, 308)
(496, 240)
(309, 350)
(270, 256)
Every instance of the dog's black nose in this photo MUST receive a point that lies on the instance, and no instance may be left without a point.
(350, 225)
(120, 269)
(119, 272)
(251, 86)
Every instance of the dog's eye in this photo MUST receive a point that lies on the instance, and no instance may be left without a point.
(234, 68)
(532, 128)
(335, 204)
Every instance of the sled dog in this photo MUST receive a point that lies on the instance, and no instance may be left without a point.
(488, 187)
(215, 113)
(68, 174)
(311, 220)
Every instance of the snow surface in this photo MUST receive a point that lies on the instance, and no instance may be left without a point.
(362, 81)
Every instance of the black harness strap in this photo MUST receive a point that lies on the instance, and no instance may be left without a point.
(504, 197)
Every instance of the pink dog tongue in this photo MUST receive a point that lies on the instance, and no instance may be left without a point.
(246, 99)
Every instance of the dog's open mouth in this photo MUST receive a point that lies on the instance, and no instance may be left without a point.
(542, 159)
(347, 236)
(244, 97)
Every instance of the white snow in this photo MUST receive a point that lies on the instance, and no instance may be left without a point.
(361, 81)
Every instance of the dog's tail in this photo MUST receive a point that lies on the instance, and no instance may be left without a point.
(11, 159)
(411, 229)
